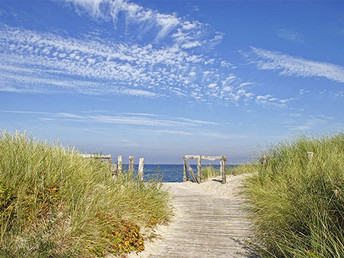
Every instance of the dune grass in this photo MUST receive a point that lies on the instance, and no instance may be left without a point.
(55, 203)
(298, 203)
(211, 172)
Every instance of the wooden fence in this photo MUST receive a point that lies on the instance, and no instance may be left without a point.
(116, 168)
(199, 158)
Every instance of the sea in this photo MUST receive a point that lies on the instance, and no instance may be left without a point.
(168, 173)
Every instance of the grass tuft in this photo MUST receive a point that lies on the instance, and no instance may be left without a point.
(298, 203)
(55, 203)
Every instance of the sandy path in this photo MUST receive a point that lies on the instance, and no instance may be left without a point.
(210, 221)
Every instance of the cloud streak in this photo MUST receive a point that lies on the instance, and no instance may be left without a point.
(296, 66)
(131, 119)
(147, 23)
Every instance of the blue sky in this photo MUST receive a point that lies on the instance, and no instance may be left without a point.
(161, 79)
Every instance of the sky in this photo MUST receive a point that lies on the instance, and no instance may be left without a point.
(160, 79)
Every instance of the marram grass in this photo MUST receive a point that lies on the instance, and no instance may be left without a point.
(55, 203)
(298, 203)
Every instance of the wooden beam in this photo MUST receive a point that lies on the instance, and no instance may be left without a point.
(194, 178)
(96, 156)
(191, 156)
(140, 172)
(211, 158)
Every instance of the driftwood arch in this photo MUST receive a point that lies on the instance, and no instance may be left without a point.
(199, 158)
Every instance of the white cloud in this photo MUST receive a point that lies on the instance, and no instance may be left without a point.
(290, 35)
(47, 63)
(296, 66)
(145, 21)
(312, 123)
(191, 44)
(131, 119)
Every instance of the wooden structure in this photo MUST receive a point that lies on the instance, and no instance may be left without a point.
(207, 224)
(116, 169)
(199, 158)
(140, 171)
(310, 155)
(97, 156)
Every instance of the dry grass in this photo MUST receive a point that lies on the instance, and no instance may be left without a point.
(55, 203)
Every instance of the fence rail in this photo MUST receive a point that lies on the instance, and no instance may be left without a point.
(116, 168)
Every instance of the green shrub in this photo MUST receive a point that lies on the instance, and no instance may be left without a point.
(246, 168)
(51, 198)
(298, 203)
(209, 172)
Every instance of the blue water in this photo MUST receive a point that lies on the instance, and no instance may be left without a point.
(168, 173)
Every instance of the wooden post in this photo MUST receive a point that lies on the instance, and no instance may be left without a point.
(131, 164)
(264, 160)
(185, 175)
(199, 168)
(310, 155)
(119, 164)
(114, 171)
(140, 172)
(223, 169)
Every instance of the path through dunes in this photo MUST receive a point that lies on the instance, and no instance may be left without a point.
(210, 221)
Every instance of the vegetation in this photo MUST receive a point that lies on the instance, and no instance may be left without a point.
(246, 168)
(55, 203)
(298, 202)
(211, 172)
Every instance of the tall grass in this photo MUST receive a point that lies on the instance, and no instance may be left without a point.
(55, 203)
(211, 172)
(298, 204)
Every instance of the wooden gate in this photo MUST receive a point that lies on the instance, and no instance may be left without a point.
(199, 158)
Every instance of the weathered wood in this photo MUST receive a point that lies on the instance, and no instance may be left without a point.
(113, 168)
(223, 169)
(131, 164)
(96, 156)
(211, 158)
(264, 160)
(194, 178)
(140, 172)
(199, 168)
(310, 155)
(119, 162)
(205, 225)
(191, 156)
(185, 175)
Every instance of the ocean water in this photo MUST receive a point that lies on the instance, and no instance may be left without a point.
(168, 173)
